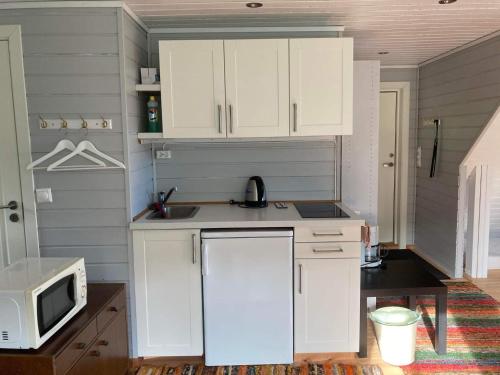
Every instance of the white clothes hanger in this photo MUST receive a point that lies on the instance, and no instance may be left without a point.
(62, 145)
(79, 150)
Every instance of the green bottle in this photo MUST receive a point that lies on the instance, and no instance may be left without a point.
(153, 119)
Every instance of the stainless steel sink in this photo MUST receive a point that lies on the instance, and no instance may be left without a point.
(174, 212)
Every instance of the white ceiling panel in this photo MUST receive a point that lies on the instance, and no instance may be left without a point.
(411, 31)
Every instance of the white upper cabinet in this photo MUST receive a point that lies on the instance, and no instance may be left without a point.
(192, 88)
(321, 84)
(257, 87)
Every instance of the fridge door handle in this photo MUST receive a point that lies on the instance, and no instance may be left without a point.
(204, 259)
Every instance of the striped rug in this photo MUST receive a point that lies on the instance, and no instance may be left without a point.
(473, 333)
(306, 369)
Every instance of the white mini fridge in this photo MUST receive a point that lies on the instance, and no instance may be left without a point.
(248, 296)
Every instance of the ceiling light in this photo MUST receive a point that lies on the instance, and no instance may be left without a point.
(254, 5)
(446, 1)
(383, 53)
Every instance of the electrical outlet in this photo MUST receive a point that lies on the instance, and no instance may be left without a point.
(163, 154)
(419, 157)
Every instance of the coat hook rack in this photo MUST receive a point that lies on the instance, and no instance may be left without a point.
(75, 124)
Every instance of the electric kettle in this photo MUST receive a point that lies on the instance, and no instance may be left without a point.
(255, 195)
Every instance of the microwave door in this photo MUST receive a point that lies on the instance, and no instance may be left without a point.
(54, 303)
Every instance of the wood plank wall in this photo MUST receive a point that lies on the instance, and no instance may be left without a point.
(72, 68)
(463, 90)
(408, 75)
(140, 160)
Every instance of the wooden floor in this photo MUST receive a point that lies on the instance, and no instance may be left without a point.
(491, 285)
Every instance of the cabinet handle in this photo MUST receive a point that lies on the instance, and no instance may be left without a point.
(103, 343)
(336, 250)
(81, 345)
(320, 234)
(95, 353)
(113, 309)
(300, 278)
(193, 237)
(219, 117)
(230, 118)
(295, 117)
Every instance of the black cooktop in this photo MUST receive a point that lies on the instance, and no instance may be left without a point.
(319, 210)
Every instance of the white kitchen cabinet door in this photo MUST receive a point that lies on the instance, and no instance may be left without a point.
(327, 293)
(257, 92)
(192, 88)
(168, 294)
(321, 86)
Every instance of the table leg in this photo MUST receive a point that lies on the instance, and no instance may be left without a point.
(363, 328)
(441, 323)
(412, 302)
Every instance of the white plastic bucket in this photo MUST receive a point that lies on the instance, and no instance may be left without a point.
(396, 330)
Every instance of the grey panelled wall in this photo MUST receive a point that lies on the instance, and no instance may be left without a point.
(408, 75)
(71, 60)
(217, 172)
(140, 171)
(463, 90)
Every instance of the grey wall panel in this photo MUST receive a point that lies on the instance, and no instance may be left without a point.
(140, 179)
(72, 65)
(72, 68)
(463, 90)
(209, 172)
(408, 75)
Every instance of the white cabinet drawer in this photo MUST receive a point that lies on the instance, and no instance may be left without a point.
(328, 250)
(328, 233)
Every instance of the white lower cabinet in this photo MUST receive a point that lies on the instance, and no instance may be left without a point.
(327, 293)
(168, 292)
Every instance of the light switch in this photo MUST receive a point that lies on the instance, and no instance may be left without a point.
(43, 195)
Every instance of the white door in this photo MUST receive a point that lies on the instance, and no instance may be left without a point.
(257, 87)
(326, 298)
(321, 86)
(168, 292)
(12, 237)
(387, 164)
(192, 88)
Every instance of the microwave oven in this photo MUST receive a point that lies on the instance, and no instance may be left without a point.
(37, 297)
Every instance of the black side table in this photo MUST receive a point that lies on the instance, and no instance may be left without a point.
(396, 278)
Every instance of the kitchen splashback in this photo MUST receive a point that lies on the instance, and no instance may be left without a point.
(218, 172)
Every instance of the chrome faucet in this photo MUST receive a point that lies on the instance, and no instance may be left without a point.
(163, 198)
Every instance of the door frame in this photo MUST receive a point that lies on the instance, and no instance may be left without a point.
(402, 157)
(12, 34)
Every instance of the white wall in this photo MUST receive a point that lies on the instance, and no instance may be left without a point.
(360, 150)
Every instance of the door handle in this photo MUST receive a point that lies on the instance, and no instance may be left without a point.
(388, 165)
(230, 118)
(300, 278)
(295, 117)
(12, 205)
(219, 117)
(193, 237)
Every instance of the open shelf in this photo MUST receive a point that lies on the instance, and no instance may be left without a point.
(149, 135)
(154, 87)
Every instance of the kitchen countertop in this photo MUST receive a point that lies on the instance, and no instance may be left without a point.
(232, 216)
